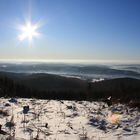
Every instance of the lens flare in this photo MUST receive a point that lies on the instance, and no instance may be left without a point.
(114, 118)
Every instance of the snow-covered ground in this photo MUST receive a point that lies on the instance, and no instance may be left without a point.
(67, 120)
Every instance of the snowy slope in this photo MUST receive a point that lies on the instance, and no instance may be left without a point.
(68, 120)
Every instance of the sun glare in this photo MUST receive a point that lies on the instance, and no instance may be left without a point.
(28, 31)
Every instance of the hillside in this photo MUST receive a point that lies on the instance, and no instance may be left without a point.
(119, 88)
(58, 87)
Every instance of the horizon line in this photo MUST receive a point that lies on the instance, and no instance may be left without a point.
(86, 61)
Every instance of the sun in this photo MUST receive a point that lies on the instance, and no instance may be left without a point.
(29, 31)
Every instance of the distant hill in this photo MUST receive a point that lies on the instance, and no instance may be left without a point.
(51, 82)
(41, 81)
(59, 87)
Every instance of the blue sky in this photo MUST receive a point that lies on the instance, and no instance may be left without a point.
(72, 29)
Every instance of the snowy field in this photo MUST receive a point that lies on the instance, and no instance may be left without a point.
(67, 120)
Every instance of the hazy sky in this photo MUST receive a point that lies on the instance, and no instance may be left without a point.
(72, 29)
